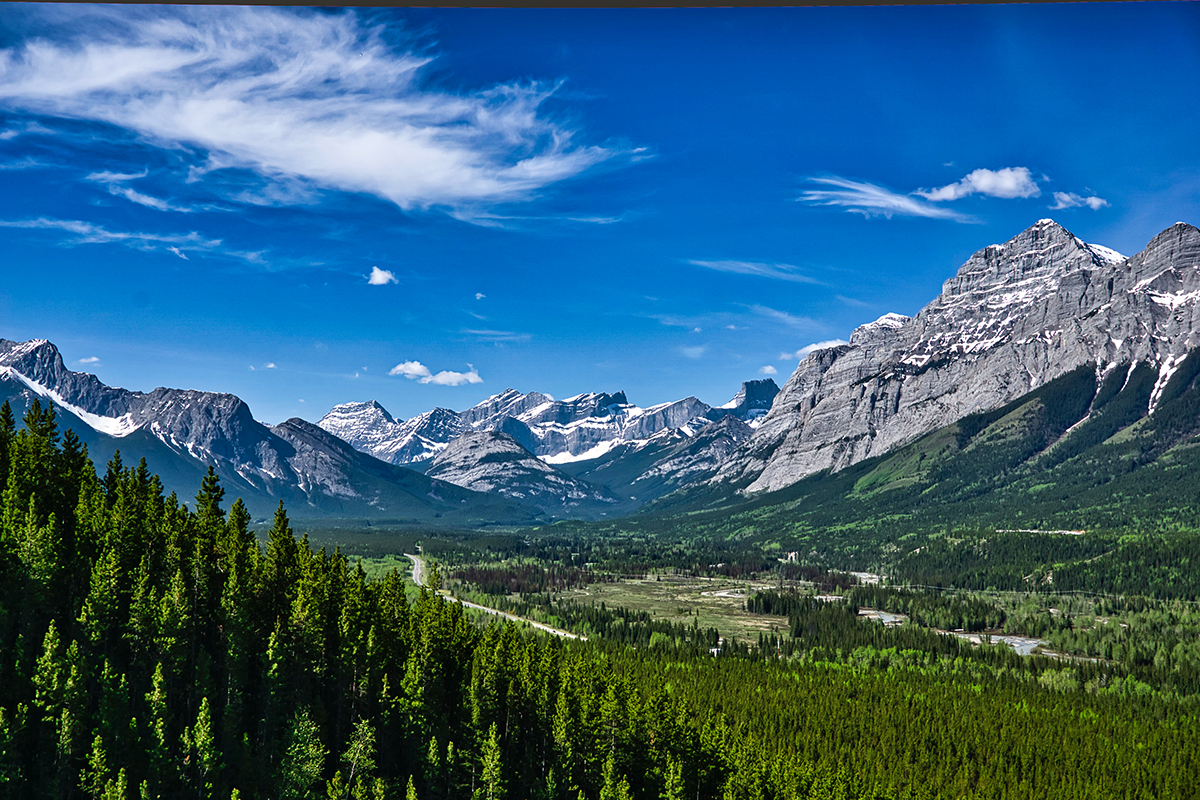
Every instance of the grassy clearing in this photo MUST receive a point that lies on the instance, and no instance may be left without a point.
(712, 602)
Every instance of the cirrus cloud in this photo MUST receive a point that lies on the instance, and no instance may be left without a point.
(870, 200)
(306, 100)
(783, 272)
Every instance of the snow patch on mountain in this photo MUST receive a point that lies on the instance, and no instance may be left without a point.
(113, 426)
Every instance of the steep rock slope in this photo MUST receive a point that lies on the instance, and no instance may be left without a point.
(493, 462)
(181, 432)
(584, 426)
(1013, 318)
(750, 404)
(370, 428)
(641, 471)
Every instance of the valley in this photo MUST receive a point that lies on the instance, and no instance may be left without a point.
(953, 531)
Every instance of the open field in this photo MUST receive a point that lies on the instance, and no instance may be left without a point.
(712, 602)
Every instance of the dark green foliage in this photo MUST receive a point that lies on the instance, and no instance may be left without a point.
(152, 650)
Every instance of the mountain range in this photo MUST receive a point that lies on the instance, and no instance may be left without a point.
(1015, 319)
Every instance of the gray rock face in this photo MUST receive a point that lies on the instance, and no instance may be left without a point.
(368, 427)
(750, 404)
(202, 424)
(546, 427)
(696, 458)
(313, 471)
(489, 461)
(1014, 317)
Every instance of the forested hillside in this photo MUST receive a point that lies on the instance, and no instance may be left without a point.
(152, 649)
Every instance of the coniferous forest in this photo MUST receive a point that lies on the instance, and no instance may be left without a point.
(153, 647)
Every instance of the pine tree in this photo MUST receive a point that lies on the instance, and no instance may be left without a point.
(303, 758)
(492, 767)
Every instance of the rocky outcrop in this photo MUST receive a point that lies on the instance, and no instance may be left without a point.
(750, 404)
(579, 426)
(489, 461)
(370, 428)
(1015, 316)
(181, 432)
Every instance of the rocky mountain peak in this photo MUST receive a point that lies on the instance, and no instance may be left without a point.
(369, 411)
(1014, 316)
(510, 403)
(751, 402)
(490, 461)
(1034, 258)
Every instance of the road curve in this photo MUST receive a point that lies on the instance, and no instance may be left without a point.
(418, 573)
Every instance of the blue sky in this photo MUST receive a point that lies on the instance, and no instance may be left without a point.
(290, 204)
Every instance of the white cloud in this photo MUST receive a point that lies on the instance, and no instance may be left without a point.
(116, 177)
(415, 370)
(305, 99)
(89, 360)
(410, 370)
(480, 295)
(768, 370)
(448, 378)
(783, 272)
(270, 365)
(381, 277)
(875, 201)
(1007, 183)
(804, 351)
(1072, 200)
(693, 352)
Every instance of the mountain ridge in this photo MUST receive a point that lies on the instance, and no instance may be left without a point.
(1012, 318)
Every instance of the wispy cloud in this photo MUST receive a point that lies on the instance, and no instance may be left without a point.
(480, 295)
(24, 163)
(415, 370)
(783, 272)
(1072, 200)
(784, 317)
(694, 352)
(804, 351)
(497, 336)
(304, 99)
(851, 301)
(89, 360)
(381, 277)
(871, 200)
(114, 182)
(87, 233)
(767, 370)
(1008, 183)
(79, 232)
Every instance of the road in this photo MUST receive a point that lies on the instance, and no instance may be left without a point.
(418, 574)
